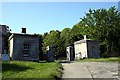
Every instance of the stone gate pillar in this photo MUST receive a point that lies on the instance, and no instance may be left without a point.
(69, 52)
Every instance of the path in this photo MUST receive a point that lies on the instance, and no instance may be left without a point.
(90, 70)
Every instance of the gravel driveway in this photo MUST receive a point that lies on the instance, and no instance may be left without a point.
(90, 70)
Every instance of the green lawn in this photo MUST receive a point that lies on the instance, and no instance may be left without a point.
(20, 69)
(111, 59)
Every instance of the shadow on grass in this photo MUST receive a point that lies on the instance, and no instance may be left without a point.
(14, 67)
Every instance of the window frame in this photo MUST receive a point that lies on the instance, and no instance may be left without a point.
(26, 49)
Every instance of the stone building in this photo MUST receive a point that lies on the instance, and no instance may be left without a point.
(3, 33)
(86, 48)
(24, 46)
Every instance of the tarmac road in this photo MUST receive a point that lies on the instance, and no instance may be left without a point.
(90, 70)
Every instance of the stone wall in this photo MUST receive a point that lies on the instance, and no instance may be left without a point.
(2, 37)
(93, 49)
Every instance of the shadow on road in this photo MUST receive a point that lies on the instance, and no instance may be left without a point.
(66, 62)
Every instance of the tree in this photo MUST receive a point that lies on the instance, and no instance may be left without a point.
(76, 33)
(104, 25)
(65, 37)
(52, 39)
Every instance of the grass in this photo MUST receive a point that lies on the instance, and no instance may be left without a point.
(111, 59)
(26, 70)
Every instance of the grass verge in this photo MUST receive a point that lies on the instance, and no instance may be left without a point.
(15, 70)
(111, 59)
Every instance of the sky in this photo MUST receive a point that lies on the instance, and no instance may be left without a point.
(41, 17)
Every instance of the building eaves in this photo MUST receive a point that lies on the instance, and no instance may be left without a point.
(82, 41)
(21, 34)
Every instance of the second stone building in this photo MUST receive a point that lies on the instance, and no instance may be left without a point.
(86, 48)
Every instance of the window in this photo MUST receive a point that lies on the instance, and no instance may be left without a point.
(26, 49)
(26, 46)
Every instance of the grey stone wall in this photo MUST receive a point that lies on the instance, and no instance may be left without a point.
(93, 49)
(2, 37)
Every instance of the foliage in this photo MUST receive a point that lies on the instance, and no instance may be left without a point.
(65, 38)
(76, 33)
(52, 39)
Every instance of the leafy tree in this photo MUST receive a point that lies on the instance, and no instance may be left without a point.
(76, 33)
(52, 39)
(65, 37)
(104, 25)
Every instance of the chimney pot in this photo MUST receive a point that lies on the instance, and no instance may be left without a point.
(23, 30)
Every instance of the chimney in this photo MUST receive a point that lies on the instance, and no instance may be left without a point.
(85, 37)
(23, 30)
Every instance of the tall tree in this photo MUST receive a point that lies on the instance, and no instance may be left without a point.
(104, 25)
(65, 37)
(76, 33)
(52, 39)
